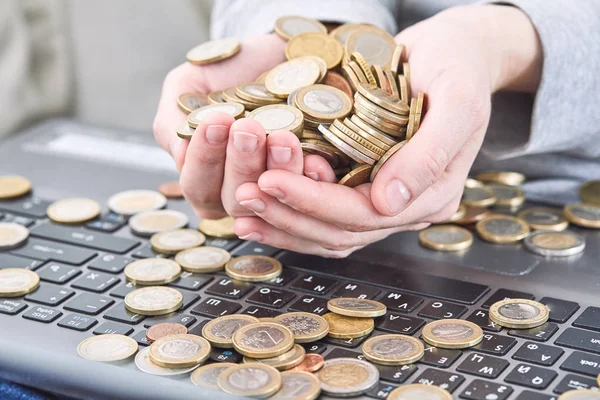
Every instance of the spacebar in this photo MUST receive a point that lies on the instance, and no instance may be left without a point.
(408, 281)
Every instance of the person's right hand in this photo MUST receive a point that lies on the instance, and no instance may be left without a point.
(222, 154)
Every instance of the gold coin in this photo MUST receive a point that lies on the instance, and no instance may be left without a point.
(107, 348)
(446, 238)
(542, 218)
(250, 380)
(364, 66)
(406, 73)
(581, 394)
(394, 88)
(589, 193)
(478, 197)
(12, 235)
(393, 349)
(298, 385)
(256, 93)
(73, 211)
(219, 332)
(147, 223)
(188, 102)
(397, 58)
(410, 128)
(584, 215)
(216, 97)
(473, 215)
(321, 150)
(152, 271)
(555, 244)
(132, 202)
(503, 177)
(373, 138)
(278, 117)
(230, 96)
(350, 76)
(419, 110)
(356, 141)
(358, 71)
(519, 313)
(342, 32)
(376, 45)
(391, 129)
(344, 147)
(502, 229)
(403, 86)
(380, 79)
(207, 376)
(306, 327)
(291, 75)
(386, 157)
(203, 259)
(213, 51)
(323, 71)
(507, 196)
(357, 176)
(360, 308)
(418, 391)
(154, 300)
(263, 340)
(323, 103)
(171, 242)
(220, 228)
(287, 360)
(317, 44)
(381, 98)
(389, 117)
(347, 377)
(290, 26)
(13, 186)
(236, 110)
(253, 268)
(343, 327)
(458, 215)
(17, 282)
(179, 351)
(372, 131)
(452, 334)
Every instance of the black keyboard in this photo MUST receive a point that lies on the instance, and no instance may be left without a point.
(82, 289)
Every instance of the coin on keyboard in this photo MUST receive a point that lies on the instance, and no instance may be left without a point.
(107, 348)
(452, 334)
(207, 376)
(203, 259)
(263, 340)
(154, 300)
(347, 377)
(250, 380)
(351, 307)
(220, 228)
(179, 351)
(357, 176)
(219, 331)
(278, 117)
(73, 211)
(213, 51)
(152, 271)
(446, 238)
(393, 349)
(502, 229)
(291, 75)
(287, 360)
(580, 394)
(555, 244)
(253, 268)
(584, 215)
(12, 235)
(306, 327)
(132, 202)
(507, 196)
(502, 177)
(145, 364)
(343, 327)
(388, 154)
(188, 102)
(17, 282)
(171, 242)
(289, 26)
(478, 197)
(236, 110)
(13, 186)
(519, 313)
(163, 329)
(171, 190)
(544, 219)
(419, 391)
(147, 223)
(298, 385)
(312, 363)
(376, 45)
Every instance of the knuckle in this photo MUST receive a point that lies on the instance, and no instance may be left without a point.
(207, 158)
(343, 241)
(435, 162)
(246, 171)
(284, 224)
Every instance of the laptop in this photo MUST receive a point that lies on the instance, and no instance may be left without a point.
(83, 286)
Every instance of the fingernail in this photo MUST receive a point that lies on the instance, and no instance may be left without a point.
(280, 154)
(312, 175)
(254, 237)
(277, 193)
(245, 142)
(216, 134)
(256, 205)
(396, 196)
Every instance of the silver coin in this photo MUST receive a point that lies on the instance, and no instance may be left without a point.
(375, 48)
(503, 227)
(277, 117)
(263, 337)
(296, 385)
(555, 244)
(504, 191)
(539, 216)
(300, 324)
(424, 392)
(323, 101)
(586, 212)
(12, 235)
(233, 109)
(293, 26)
(249, 379)
(395, 347)
(291, 100)
(475, 194)
(145, 364)
(132, 202)
(148, 223)
(152, 271)
(357, 304)
(179, 348)
(226, 328)
(154, 298)
(452, 331)
(347, 377)
(252, 265)
(446, 236)
(519, 311)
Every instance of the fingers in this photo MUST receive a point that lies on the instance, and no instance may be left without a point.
(318, 169)
(284, 152)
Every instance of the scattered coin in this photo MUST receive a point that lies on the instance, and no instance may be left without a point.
(145, 364)
(188, 102)
(250, 380)
(219, 331)
(502, 229)
(179, 351)
(289, 26)
(357, 176)
(589, 193)
(213, 51)
(318, 44)
(584, 215)
(343, 327)
(147, 223)
(376, 45)
(312, 362)
(12, 235)
(287, 360)
(298, 385)
(452, 334)
(419, 391)
(207, 376)
(13, 186)
(220, 228)
(73, 211)
(306, 327)
(542, 218)
(361, 308)
(555, 244)
(347, 377)
(107, 348)
(203, 259)
(152, 271)
(170, 242)
(501, 177)
(236, 110)
(580, 394)
(507, 196)
(291, 75)
(519, 313)
(263, 340)
(386, 157)
(161, 330)
(478, 197)
(253, 268)
(446, 238)
(17, 282)
(473, 215)
(171, 190)
(393, 349)
(278, 117)
(154, 300)
(132, 202)
(459, 214)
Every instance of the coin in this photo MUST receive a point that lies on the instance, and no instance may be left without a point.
(161, 330)
(518, 313)
(188, 102)
(278, 117)
(380, 115)
(339, 128)
(584, 215)
(446, 238)
(12, 235)
(234, 109)
(312, 362)
(202, 259)
(216, 97)
(381, 98)
(287, 360)
(364, 66)
(253, 268)
(179, 351)
(220, 228)
(460, 213)
(13, 186)
(337, 81)
(357, 176)
(386, 157)
(250, 380)
(348, 150)
(478, 197)
(289, 26)
(17, 282)
(152, 271)
(419, 391)
(347, 377)
(73, 211)
(589, 193)
(344, 327)
(342, 32)
(291, 75)
(580, 394)
(502, 229)
(406, 73)
(318, 44)
(376, 45)
(410, 128)
(306, 327)
(171, 242)
(132, 202)
(542, 218)
(107, 348)
(507, 196)
(207, 376)
(473, 215)
(263, 340)
(397, 58)
(502, 177)
(323, 103)
(393, 349)
(321, 150)
(147, 223)
(257, 93)
(219, 332)
(555, 244)
(145, 364)
(352, 307)
(213, 51)
(452, 334)
(154, 300)
(384, 142)
(171, 190)
(374, 132)
(298, 385)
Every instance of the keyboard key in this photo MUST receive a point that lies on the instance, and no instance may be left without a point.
(257, 249)
(443, 379)
(560, 310)
(77, 322)
(582, 363)
(261, 312)
(141, 338)
(225, 244)
(12, 307)
(57, 273)
(110, 263)
(230, 288)
(213, 308)
(531, 377)
(312, 304)
(441, 358)
(579, 339)
(529, 395)
(145, 251)
(46, 250)
(539, 354)
(483, 366)
(357, 290)
(30, 206)
(225, 355)
(12, 261)
(314, 284)
(109, 222)
(503, 294)
(495, 344)
(113, 327)
(589, 319)
(189, 298)
(396, 323)
(380, 391)
(540, 334)
(89, 303)
(49, 295)
(97, 282)
(317, 348)
(348, 343)
(442, 309)
(17, 219)
(271, 297)
(485, 390)
(42, 314)
(401, 302)
(197, 330)
(190, 281)
(343, 353)
(120, 314)
(481, 318)
(286, 277)
(123, 290)
(397, 373)
(185, 320)
(575, 382)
